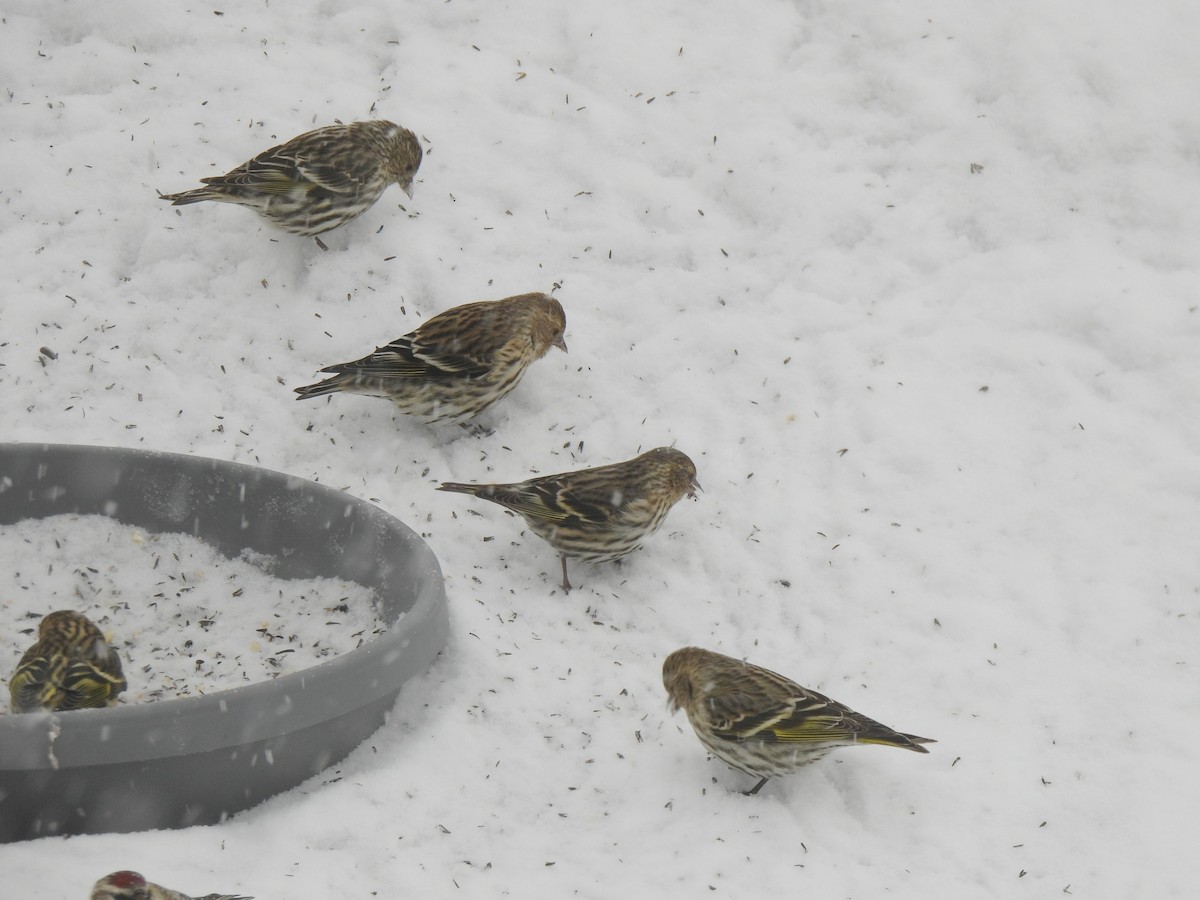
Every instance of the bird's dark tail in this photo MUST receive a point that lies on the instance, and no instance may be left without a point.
(192, 196)
(458, 488)
(320, 389)
(895, 739)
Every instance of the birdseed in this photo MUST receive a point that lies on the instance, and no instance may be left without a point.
(185, 619)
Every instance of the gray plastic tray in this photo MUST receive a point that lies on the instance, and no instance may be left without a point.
(175, 763)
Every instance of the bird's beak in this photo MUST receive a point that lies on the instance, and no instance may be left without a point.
(409, 190)
(695, 487)
(560, 344)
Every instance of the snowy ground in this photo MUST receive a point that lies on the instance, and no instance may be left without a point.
(915, 286)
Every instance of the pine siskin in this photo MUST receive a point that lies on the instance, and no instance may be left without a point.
(71, 666)
(320, 179)
(596, 514)
(458, 363)
(132, 886)
(762, 723)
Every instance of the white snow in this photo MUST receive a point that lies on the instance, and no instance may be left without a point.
(184, 619)
(914, 285)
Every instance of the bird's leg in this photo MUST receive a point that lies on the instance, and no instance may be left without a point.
(754, 790)
(566, 585)
(476, 430)
(320, 243)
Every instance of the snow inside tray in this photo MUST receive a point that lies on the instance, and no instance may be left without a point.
(185, 619)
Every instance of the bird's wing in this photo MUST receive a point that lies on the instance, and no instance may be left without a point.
(406, 358)
(459, 359)
(801, 716)
(811, 718)
(313, 166)
(571, 498)
(533, 500)
(85, 686)
(25, 687)
(269, 172)
(340, 173)
(594, 501)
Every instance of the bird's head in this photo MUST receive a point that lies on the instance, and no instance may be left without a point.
(405, 155)
(124, 885)
(677, 471)
(678, 669)
(549, 325)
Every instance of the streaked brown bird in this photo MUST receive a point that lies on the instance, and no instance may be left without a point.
(458, 363)
(762, 723)
(128, 885)
(71, 666)
(596, 514)
(319, 180)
